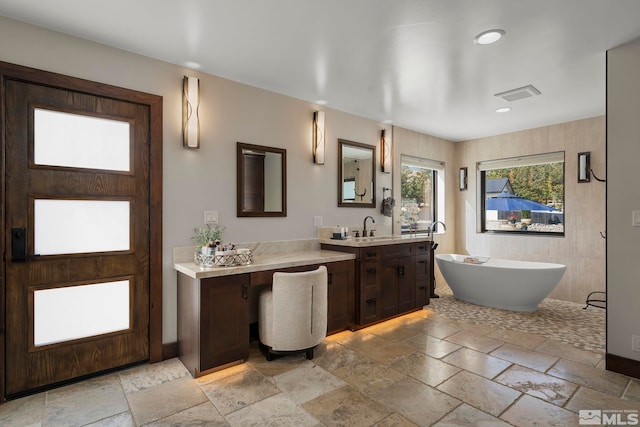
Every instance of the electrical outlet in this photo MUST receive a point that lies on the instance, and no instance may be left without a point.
(211, 217)
(317, 221)
(635, 342)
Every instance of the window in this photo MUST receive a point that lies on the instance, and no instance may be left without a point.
(523, 195)
(422, 193)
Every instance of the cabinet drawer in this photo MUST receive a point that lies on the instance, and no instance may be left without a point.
(370, 254)
(394, 251)
(422, 293)
(423, 269)
(422, 248)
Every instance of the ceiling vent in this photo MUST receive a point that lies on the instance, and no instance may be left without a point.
(519, 93)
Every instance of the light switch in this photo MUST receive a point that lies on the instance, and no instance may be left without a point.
(211, 217)
(635, 219)
(317, 221)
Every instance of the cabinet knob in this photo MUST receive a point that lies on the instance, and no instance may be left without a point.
(245, 291)
(421, 261)
(371, 254)
(329, 278)
(371, 270)
(422, 287)
(370, 301)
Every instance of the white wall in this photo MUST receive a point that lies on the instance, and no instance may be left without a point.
(582, 249)
(204, 179)
(623, 196)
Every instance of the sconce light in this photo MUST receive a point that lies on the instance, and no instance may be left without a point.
(463, 179)
(385, 150)
(190, 115)
(318, 137)
(584, 166)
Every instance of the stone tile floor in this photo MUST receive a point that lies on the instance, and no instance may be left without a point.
(452, 364)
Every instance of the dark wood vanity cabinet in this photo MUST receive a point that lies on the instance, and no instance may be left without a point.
(424, 273)
(213, 321)
(340, 295)
(398, 284)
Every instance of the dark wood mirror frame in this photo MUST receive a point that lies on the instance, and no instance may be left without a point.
(251, 181)
(371, 203)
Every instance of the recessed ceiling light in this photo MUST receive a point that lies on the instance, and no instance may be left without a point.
(193, 65)
(488, 37)
(388, 121)
(503, 110)
(321, 102)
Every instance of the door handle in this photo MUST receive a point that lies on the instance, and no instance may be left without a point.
(19, 245)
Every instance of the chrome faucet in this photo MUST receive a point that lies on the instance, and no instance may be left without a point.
(364, 225)
(433, 226)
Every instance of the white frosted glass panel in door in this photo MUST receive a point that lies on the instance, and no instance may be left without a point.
(64, 314)
(80, 226)
(73, 140)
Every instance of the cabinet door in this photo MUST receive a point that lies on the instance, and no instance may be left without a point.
(389, 288)
(368, 293)
(406, 284)
(341, 295)
(224, 320)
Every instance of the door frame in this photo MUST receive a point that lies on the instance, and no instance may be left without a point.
(154, 102)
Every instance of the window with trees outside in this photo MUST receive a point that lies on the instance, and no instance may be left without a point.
(523, 195)
(422, 193)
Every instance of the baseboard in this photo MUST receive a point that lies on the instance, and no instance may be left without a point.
(622, 365)
(169, 350)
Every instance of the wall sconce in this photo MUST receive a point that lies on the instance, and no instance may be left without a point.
(318, 137)
(190, 114)
(584, 166)
(385, 150)
(463, 179)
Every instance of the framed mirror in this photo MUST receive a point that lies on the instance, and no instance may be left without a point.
(356, 174)
(261, 180)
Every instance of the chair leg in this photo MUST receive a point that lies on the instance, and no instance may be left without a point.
(309, 353)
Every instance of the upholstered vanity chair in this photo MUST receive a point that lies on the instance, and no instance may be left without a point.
(293, 314)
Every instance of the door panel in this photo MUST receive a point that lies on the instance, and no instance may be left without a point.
(81, 189)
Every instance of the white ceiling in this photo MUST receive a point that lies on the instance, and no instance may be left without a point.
(411, 62)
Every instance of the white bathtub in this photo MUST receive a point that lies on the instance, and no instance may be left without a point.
(500, 283)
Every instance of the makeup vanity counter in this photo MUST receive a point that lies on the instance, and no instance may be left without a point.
(215, 303)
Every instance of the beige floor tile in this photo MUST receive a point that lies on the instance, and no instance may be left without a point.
(239, 390)
(85, 402)
(431, 346)
(605, 381)
(23, 412)
(569, 352)
(278, 366)
(219, 375)
(368, 376)
(538, 384)
(418, 402)
(276, 411)
(307, 382)
(125, 419)
(395, 329)
(426, 369)
(477, 362)
(379, 349)
(633, 391)
(165, 399)
(438, 330)
(465, 415)
(149, 375)
(475, 342)
(396, 420)
(332, 356)
(347, 407)
(519, 338)
(479, 392)
(529, 411)
(204, 414)
(586, 398)
(525, 357)
(475, 328)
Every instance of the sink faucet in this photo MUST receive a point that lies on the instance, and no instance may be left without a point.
(433, 226)
(364, 225)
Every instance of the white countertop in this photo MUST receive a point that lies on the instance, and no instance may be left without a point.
(264, 262)
(358, 242)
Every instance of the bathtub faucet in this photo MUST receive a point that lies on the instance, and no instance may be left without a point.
(433, 226)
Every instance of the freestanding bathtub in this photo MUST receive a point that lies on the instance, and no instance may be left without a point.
(500, 283)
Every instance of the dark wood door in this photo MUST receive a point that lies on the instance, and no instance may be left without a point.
(369, 292)
(341, 295)
(406, 284)
(389, 288)
(61, 182)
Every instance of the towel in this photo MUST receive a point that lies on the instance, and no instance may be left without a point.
(387, 206)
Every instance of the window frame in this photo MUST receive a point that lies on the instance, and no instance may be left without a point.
(437, 169)
(483, 167)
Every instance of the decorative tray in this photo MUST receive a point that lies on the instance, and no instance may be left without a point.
(224, 258)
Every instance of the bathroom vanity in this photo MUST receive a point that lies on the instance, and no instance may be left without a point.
(394, 274)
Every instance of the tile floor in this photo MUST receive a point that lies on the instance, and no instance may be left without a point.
(448, 365)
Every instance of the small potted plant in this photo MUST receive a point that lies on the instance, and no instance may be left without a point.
(207, 238)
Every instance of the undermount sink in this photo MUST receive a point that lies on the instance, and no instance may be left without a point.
(372, 239)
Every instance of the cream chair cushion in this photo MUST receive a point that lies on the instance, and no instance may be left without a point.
(293, 314)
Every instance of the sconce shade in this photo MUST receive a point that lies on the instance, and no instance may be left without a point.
(190, 114)
(463, 178)
(584, 166)
(385, 153)
(318, 137)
